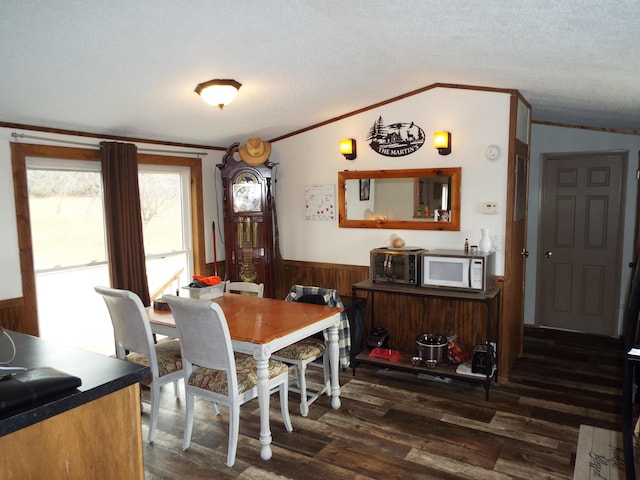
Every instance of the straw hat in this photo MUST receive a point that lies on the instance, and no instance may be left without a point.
(255, 152)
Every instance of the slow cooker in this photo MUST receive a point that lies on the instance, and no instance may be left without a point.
(431, 348)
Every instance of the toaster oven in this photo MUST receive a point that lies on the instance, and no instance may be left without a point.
(396, 265)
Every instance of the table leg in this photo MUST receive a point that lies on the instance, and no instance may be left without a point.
(262, 364)
(334, 360)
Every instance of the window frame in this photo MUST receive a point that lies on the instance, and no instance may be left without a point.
(19, 154)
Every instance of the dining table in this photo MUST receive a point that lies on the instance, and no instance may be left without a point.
(261, 326)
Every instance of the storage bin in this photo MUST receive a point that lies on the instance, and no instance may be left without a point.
(205, 293)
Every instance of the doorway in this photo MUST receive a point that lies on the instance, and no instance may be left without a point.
(579, 257)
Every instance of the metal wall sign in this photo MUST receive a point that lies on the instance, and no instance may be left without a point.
(395, 139)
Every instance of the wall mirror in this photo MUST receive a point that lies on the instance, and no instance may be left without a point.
(413, 199)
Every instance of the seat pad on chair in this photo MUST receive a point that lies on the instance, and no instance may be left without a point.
(168, 355)
(302, 350)
(216, 380)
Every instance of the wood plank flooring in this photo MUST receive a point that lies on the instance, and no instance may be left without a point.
(397, 426)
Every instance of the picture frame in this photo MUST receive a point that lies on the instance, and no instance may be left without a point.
(365, 188)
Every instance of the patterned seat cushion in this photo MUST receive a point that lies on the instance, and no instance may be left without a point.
(216, 380)
(302, 350)
(168, 354)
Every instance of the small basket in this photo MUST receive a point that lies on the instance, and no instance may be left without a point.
(205, 293)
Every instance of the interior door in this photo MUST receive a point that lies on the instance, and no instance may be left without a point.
(580, 241)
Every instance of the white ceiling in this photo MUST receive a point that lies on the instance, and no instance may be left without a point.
(129, 68)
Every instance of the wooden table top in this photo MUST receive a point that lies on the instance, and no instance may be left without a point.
(258, 320)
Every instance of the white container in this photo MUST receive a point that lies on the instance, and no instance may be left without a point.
(485, 241)
(205, 293)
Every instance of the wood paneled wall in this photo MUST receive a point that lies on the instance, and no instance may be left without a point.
(404, 316)
(326, 275)
(12, 315)
(407, 316)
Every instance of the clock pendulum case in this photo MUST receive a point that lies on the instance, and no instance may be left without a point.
(248, 221)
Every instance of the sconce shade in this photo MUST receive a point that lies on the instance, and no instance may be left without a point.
(348, 148)
(219, 93)
(442, 141)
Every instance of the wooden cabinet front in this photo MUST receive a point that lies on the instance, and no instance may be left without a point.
(100, 439)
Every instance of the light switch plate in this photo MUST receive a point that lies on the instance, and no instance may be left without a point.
(489, 208)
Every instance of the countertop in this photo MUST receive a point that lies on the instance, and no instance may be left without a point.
(100, 374)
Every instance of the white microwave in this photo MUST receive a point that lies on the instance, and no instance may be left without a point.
(458, 270)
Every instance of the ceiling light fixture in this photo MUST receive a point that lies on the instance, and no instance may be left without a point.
(218, 92)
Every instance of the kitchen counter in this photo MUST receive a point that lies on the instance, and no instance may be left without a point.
(92, 430)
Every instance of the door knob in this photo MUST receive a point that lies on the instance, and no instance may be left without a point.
(548, 254)
(524, 252)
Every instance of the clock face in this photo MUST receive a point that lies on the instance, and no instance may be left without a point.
(247, 194)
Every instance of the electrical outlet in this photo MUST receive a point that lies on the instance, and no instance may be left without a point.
(490, 207)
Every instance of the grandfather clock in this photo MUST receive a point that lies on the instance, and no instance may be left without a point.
(248, 220)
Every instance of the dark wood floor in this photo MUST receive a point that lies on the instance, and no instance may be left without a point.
(396, 426)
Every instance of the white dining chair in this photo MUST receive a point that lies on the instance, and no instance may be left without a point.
(256, 289)
(135, 343)
(213, 371)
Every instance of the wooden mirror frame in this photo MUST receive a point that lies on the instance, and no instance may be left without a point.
(455, 173)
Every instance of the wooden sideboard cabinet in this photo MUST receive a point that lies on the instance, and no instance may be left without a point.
(473, 317)
(93, 431)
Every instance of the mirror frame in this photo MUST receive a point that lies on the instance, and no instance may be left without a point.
(453, 225)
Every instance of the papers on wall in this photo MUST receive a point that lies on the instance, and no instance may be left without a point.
(320, 202)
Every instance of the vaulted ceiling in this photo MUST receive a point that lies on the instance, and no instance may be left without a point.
(129, 68)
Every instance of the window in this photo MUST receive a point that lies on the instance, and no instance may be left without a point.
(67, 237)
(166, 227)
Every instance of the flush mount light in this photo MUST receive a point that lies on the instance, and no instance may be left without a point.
(348, 148)
(219, 92)
(442, 141)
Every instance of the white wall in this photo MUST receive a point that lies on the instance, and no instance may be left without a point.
(475, 119)
(548, 139)
(11, 280)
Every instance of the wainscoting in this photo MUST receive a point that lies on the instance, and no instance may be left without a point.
(404, 316)
(12, 313)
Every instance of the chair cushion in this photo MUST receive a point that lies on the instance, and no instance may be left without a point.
(168, 355)
(216, 380)
(303, 350)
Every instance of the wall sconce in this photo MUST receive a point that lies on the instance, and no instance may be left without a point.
(348, 148)
(219, 93)
(442, 141)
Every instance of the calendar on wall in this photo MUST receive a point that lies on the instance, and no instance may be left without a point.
(320, 202)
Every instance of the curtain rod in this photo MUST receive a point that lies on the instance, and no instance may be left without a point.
(93, 145)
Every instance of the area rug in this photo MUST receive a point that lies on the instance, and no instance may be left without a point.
(600, 456)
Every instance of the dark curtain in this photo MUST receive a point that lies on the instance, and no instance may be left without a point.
(125, 246)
